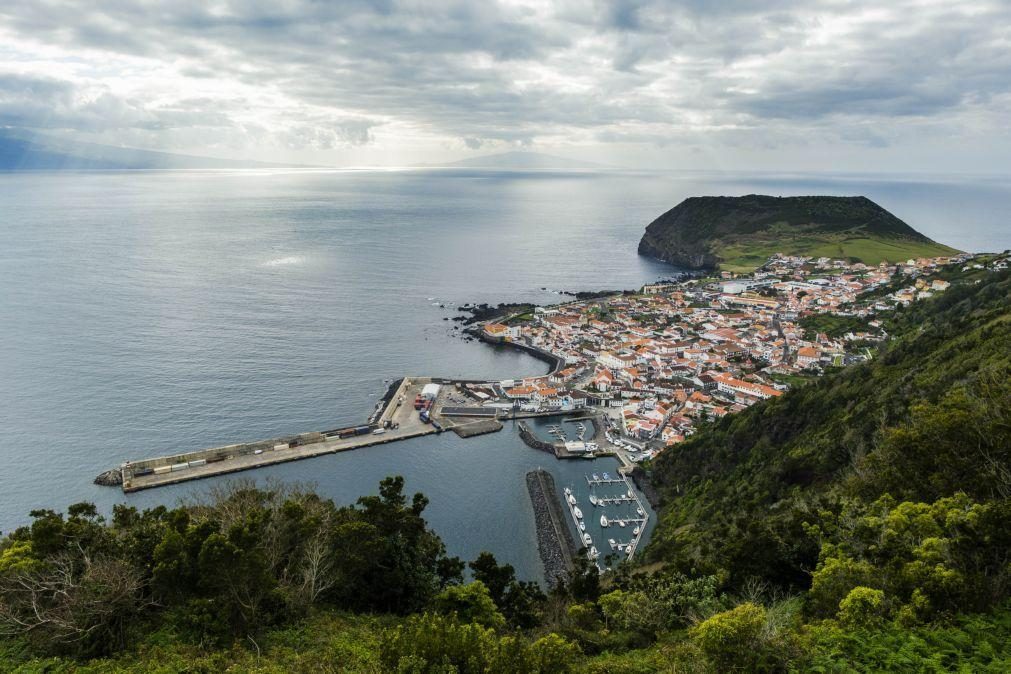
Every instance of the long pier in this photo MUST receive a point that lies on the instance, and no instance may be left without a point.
(396, 420)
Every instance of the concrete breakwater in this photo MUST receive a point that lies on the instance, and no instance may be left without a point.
(556, 363)
(554, 541)
(531, 440)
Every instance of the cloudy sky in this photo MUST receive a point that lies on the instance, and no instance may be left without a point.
(896, 85)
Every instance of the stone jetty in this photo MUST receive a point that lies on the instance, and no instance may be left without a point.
(554, 541)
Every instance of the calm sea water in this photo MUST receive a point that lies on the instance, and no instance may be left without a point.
(149, 313)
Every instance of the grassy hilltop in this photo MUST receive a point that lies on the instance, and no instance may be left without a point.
(740, 233)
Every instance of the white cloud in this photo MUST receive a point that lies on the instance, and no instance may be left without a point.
(391, 79)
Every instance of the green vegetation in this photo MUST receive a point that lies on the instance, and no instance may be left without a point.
(748, 255)
(740, 233)
(858, 523)
(832, 325)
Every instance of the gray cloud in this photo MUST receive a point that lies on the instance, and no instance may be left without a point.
(625, 71)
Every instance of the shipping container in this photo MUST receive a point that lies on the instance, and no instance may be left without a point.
(161, 470)
(362, 430)
(179, 466)
(198, 462)
(283, 445)
(142, 471)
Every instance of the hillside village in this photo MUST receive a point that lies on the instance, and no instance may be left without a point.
(666, 360)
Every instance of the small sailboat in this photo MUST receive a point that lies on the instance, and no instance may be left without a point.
(603, 521)
(577, 512)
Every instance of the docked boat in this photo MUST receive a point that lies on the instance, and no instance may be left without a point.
(607, 476)
(595, 476)
(635, 531)
(630, 494)
(577, 512)
(603, 521)
(628, 549)
(610, 541)
(593, 553)
(641, 513)
(567, 491)
(593, 500)
(572, 499)
(621, 523)
(582, 526)
(586, 539)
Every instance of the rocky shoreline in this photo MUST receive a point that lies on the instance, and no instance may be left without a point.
(554, 541)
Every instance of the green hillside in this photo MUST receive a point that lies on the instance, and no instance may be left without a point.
(741, 233)
(857, 523)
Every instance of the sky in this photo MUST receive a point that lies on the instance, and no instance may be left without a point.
(829, 85)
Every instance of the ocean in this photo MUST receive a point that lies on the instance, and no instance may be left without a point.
(146, 313)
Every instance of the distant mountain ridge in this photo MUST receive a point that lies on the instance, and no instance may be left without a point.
(20, 151)
(740, 233)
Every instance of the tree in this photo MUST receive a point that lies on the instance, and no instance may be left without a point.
(470, 603)
(733, 639)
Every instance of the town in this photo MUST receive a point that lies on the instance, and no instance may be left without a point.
(674, 356)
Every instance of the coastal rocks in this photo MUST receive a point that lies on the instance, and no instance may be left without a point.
(110, 478)
(554, 541)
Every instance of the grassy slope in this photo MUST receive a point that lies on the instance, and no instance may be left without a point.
(751, 252)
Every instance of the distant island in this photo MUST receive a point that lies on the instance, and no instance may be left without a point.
(24, 151)
(740, 233)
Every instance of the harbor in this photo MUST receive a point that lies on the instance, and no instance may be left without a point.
(412, 407)
(622, 523)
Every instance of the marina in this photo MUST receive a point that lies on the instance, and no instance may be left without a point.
(629, 524)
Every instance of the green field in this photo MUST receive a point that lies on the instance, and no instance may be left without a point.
(746, 256)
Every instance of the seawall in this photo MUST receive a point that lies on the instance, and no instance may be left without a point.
(554, 541)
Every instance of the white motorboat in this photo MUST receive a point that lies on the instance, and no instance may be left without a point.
(577, 512)
(630, 494)
(628, 549)
(593, 553)
(582, 526)
(572, 500)
(621, 523)
(635, 531)
(603, 521)
(567, 491)
(593, 500)
(586, 539)
(641, 513)
(595, 476)
(607, 476)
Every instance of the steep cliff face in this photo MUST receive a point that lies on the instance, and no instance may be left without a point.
(699, 232)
